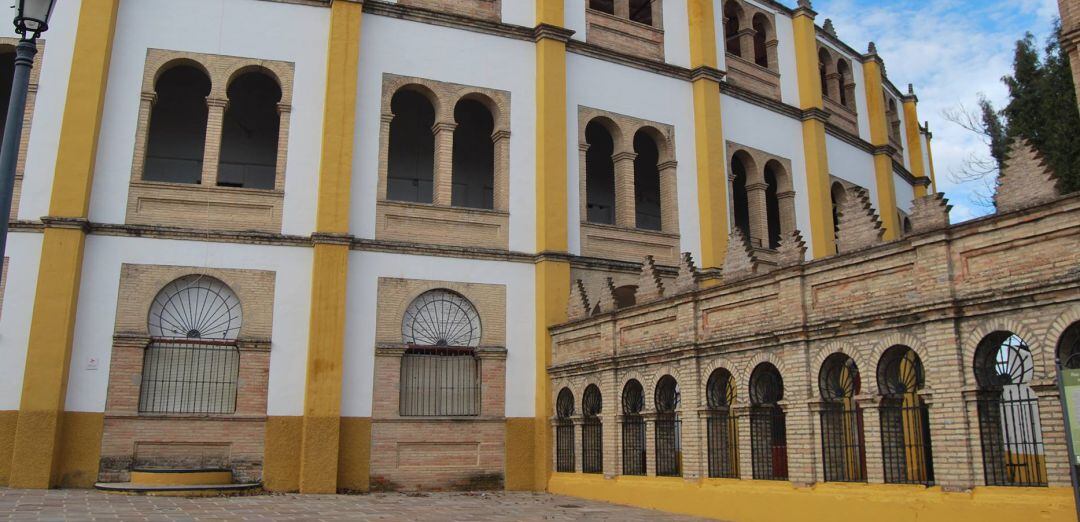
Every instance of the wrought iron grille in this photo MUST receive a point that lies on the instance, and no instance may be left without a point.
(195, 307)
(440, 381)
(768, 443)
(441, 318)
(633, 429)
(189, 376)
(721, 431)
(1008, 410)
(842, 446)
(905, 419)
(592, 432)
(564, 431)
(668, 428)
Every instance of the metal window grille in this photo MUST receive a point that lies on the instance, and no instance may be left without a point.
(843, 448)
(720, 428)
(633, 429)
(189, 376)
(440, 381)
(1008, 411)
(592, 432)
(768, 443)
(905, 419)
(668, 428)
(564, 431)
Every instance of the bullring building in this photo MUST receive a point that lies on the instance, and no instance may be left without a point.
(324, 245)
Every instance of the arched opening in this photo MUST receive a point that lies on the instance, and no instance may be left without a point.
(843, 76)
(599, 175)
(762, 35)
(592, 437)
(892, 114)
(838, 194)
(7, 76)
(668, 428)
(625, 296)
(177, 132)
(842, 444)
(440, 372)
(740, 201)
(1009, 426)
(1068, 347)
(646, 182)
(721, 431)
(905, 419)
(633, 428)
(641, 11)
(192, 363)
(564, 431)
(732, 20)
(410, 171)
(768, 427)
(249, 133)
(824, 64)
(474, 156)
(772, 203)
(604, 6)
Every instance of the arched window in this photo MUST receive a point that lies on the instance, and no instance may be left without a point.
(1068, 348)
(633, 429)
(732, 20)
(843, 76)
(440, 373)
(249, 133)
(824, 68)
(772, 203)
(646, 182)
(1009, 427)
(564, 431)
(604, 6)
(838, 195)
(668, 429)
(592, 434)
(599, 175)
(892, 114)
(842, 445)
(410, 170)
(740, 163)
(905, 418)
(474, 156)
(762, 35)
(768, 428)
(174, 149)
(722, 432)
(192, 362)
(641, 11)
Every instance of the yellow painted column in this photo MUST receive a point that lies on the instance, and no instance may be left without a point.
(553, 268)
(914, 139)
(930, 158)
(326, 342)
(813, 129)
(708, 134)
(44, 455)
(879, 137)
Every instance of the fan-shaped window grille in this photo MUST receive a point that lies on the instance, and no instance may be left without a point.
(721, 429)
(441, 318)
(592, 438)
(633, 429)
(905, 419)
(768, 428)
(668, 428)
(842, 446)
(1009, 427)
(192, 363)
(564, 431)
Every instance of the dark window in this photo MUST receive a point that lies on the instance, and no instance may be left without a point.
(411, 169)
(739, 198)
(824, 61)
(843, 75)
(732, 12)
(646, 182)
(722, 432)
(668, 428)
(1068, 350)
(249, 134)
(633, 429)
(564, 431)
(177, 133)
(592, 434)
(905, 419)
(599, 175)
(839, 196)
(772, 205)
(625, 296)
(761, 37)
(605, 6)
(474, 156)
(768, 430)
(842, 446)
(641, 11)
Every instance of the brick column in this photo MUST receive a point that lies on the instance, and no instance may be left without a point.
(215, 118)
(650, 444)
(622, 8)
(609, 419)
(578, 421)
(970, 450)
(786, 202)
(501, 141)
(669, 199)
(442, 184)
(759, 217)
(804, 441)
(1053, 433)
(384, 153)
(284, 114)
(625, 207)
(875, 471)
(583, 151)
(693, 443)
(833, 79)
(771, 51)
(746, 43)
(142, 134)
(745, 442)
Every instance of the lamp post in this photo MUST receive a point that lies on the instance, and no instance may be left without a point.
(31, 20)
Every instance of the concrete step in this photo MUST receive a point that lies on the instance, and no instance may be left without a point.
(180, 490)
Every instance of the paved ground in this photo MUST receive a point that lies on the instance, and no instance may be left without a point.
(475, 507)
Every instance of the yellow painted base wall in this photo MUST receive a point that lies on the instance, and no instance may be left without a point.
(354, 457)
(519, 454)
(80, 449)
(8, 419)
(281, 457)
(764, 501)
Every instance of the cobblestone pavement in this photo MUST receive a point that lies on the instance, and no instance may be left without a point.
(65, 505)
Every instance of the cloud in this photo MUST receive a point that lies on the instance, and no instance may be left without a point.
(952, 51)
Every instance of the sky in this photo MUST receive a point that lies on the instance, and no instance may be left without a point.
(951, 50)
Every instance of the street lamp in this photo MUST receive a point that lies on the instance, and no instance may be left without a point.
(32, 20)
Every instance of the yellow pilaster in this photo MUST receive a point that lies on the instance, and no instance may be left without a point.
(930, 158)
(709, 135)
(879, 138)
(813, 127)
(43, 454)
(552, 273)
(914, 139)
(319, 455)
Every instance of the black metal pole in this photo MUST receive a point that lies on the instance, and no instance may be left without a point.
(1068, 436)
(13, 127)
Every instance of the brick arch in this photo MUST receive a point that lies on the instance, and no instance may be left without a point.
(743, 375)
(717, 364)
(150, 80)
(865, 367)
(395, 85)
(620, 386)
(986, 327)
(754, 173)
(883, 345)
(618, 137)
(1057, 328)
(494, 104)
(663, 141)
(272, 70)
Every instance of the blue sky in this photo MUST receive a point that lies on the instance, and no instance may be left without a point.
(951, 50)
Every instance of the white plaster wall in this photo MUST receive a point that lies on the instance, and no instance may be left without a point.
(785, 57)
(98, 298)
(223, 27)
(903, 132)
(905, 193)
(574, 17)
(750, 125)
(853, 165)
(632, 92)
(24, 255)
(365, 269)
(447, 55)
(718, 28)
(519, 12)
(55, 63)
(676, 33)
